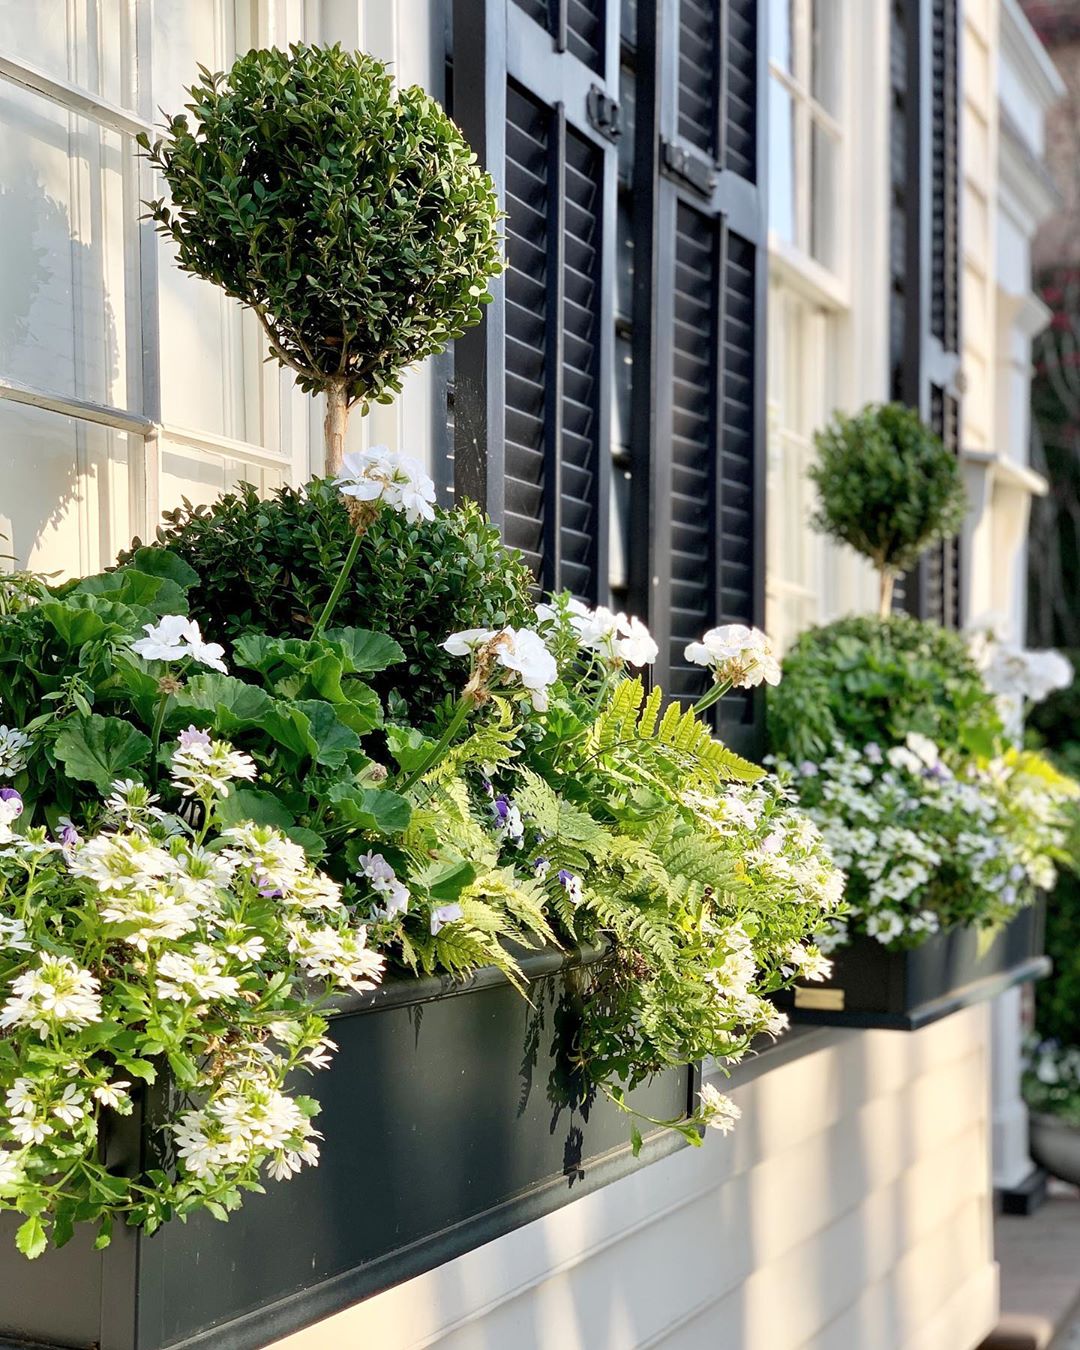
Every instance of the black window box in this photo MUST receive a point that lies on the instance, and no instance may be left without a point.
(451, 1115)
(874, 987)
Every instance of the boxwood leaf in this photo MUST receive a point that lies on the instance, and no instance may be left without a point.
(98, 749)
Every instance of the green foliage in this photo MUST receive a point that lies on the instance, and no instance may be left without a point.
(351, 217)
(269, 566)
(887, 485)
(864, 679)
(1054, 724)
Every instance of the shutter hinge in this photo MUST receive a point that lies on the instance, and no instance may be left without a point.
(603, 113)
(696, 170)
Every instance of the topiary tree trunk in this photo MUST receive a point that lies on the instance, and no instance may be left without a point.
(335, 424)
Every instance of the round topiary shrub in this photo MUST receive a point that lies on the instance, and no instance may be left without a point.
(865, 678)
(269, 566)
(350, 216)
(888, 487)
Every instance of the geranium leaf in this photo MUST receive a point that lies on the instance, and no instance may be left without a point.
(99, 750)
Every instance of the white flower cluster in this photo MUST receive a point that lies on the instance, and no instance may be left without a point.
(521, 651)
(387, 476)
(616, 639)
(739, 656)
(247, 1116)
(53, 994)
(202, 767)
(717, 1111)
(917, 838)
(169, 931)
(784, 855)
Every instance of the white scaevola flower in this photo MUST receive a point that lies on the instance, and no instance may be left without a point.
(113, 1094)
(520, 650)
(339, 955)
(199, 768)
(196, 978)
(176, 638)
(11, 1170)
(719, 1112)
(736, 653)
(13, 745)
(54, 993)
(388, 476)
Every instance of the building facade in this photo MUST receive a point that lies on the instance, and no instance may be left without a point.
(725, 219)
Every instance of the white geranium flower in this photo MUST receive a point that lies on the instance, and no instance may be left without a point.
(520, 650)
(177, 638)
(388, 476)
(736, 653)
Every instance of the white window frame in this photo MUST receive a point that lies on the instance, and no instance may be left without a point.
(830, 282)
(142, 418)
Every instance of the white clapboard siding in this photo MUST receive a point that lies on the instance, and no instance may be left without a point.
(850, 1211)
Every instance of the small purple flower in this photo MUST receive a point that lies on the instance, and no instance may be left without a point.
(265, 888)
(69, 836)
(501, 807)
(444, 914)
(486, 787)
(808, 769)
(10, 795)
(571, 883)
(192, 737)
(541, 867)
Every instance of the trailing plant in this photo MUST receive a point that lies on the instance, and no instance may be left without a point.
(867, 680)
(350, 217)
(930, 839)
(888, 487)
(269, 565)
(167, 801)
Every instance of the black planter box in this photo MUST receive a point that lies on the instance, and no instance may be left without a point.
(451, 1115)
(874, 987)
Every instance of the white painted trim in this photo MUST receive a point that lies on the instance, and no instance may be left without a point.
(1021, 44)
(74, 98)
(801, 273)
(103, 414)
(225, 446)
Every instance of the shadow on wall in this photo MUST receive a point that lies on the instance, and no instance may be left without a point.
(61, 494)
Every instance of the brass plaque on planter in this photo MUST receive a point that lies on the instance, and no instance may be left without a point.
(819, 1000)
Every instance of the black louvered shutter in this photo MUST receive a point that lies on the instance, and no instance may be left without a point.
(925, 256)
(533, 383)
(699, 422)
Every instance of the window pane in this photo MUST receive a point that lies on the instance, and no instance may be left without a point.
(824, 159)
(826, 55)
(781, 28)
(84, 42)
(781, 162)
(68, 207)
(201, 476)
(65, 505)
